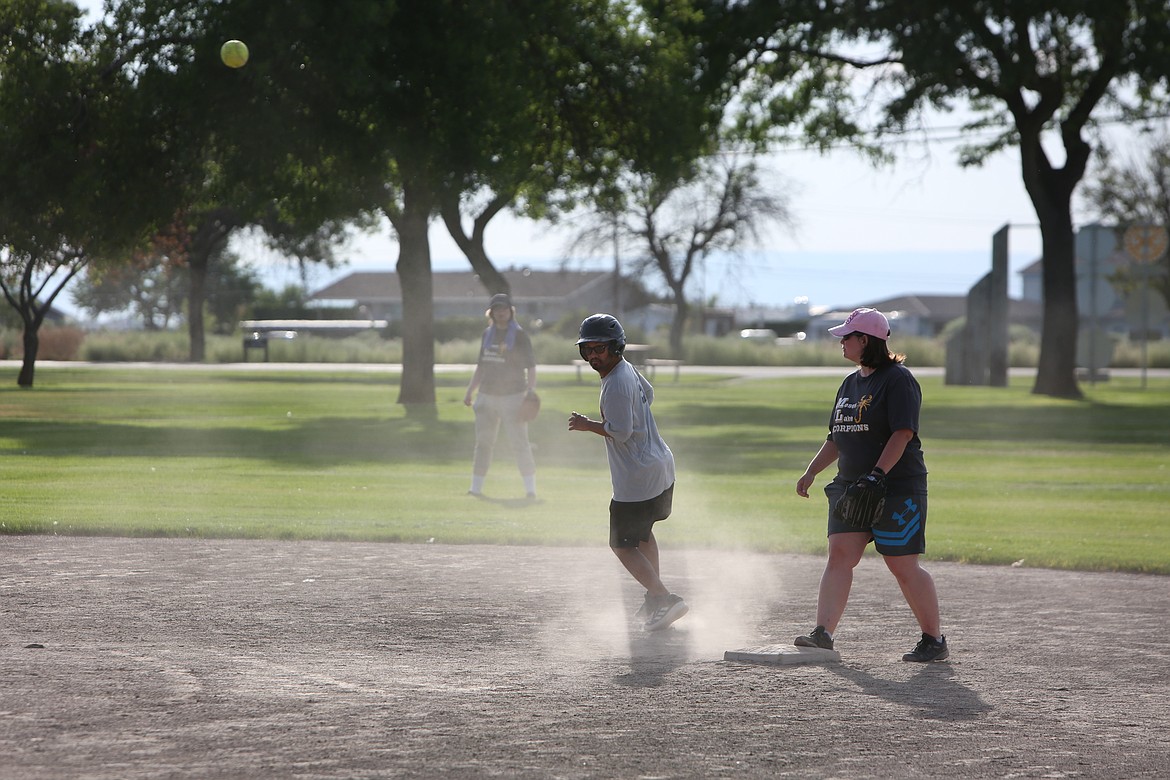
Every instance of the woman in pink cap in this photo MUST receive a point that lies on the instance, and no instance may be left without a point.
(873, 434)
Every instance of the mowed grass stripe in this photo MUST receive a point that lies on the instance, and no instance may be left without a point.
(276, 454)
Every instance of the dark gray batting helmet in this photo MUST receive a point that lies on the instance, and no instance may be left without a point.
(602, 327)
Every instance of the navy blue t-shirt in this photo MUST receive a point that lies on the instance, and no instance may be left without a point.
(868, 409)
(504, 364)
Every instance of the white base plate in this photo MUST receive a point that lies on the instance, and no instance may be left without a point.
(783, 655)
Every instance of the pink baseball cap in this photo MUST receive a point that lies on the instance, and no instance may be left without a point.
(871, 322)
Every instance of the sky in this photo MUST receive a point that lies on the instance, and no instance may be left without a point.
(921, 225)
(860, 234)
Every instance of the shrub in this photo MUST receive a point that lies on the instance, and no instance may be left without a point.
(106, 346)
(367, 347)
(56, 343)
(552, 346)
(1128, 354)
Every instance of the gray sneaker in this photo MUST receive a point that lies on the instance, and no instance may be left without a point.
(669, 609)
(647, 609)
(818, 637)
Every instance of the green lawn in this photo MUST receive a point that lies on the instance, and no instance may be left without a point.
(281, 454)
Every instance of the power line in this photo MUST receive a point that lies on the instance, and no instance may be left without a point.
(934, 135)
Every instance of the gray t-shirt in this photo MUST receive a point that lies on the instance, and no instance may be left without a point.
(641, 466)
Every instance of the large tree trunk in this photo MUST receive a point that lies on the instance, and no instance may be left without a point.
(196, 296)
(32, 345)
(1056, 373)
(210, 237)
(1051, 193)
(417, 389)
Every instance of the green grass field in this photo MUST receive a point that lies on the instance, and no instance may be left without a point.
(209, 452)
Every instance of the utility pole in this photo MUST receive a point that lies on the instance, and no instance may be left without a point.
(617, 271)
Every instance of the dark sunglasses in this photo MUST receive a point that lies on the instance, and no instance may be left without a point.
(597, 349)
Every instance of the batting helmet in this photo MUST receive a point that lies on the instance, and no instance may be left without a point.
(602, 327)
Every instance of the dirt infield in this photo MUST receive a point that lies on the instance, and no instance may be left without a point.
(131, 658)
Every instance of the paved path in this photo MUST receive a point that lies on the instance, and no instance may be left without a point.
(757, 372)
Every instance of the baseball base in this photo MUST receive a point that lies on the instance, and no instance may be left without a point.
(783, 655)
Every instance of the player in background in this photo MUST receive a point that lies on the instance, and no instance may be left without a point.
(874, 430)
(641, 466)
(504, 374)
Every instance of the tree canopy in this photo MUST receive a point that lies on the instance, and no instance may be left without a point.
(253, 147)
(1039, 76)
(80, 166)
(457, 107)
(350, 108)
(673, 226)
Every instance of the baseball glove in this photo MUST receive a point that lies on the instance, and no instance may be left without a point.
(529, 407)
(861, 506)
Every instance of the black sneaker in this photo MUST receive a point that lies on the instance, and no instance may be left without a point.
(928, 649)
(818, 637)
(667, 610)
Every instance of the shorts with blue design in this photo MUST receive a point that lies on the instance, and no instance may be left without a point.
(902, 528)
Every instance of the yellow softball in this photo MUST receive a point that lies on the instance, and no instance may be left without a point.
(234, 54)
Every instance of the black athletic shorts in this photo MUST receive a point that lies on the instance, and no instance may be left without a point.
(630, 522)
(902, 529)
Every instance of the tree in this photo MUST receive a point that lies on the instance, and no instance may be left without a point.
(702, 84)
(435, 107)
(1037, 75)
(637, 111)
(289, 303)
(150, 286)
(153, 287)
(385, 121)
(676, 225)
(567, 122)
(73, 152)
(476, 104)
(250, 147)
(1134, 189)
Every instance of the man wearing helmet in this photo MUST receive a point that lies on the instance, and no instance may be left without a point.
(641, 466)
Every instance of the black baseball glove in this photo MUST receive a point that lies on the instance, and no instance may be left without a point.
(863, 502)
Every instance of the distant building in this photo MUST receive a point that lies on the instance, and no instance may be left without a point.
(537, 295)
(925, 315)
(1100, 303)
(648, 318)
(782, 321)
